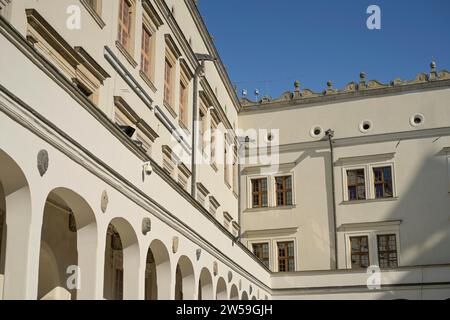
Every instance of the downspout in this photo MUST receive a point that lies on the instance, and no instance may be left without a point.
(330, 135)
(241, 147)
(197, 73)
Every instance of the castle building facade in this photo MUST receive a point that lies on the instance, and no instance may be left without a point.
(130, 169)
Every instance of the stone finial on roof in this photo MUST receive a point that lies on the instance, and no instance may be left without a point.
(433, 73)
(296, 89)
(330, 85)
(362, 80)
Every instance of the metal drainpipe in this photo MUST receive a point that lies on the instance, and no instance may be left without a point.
(330, 135)
(194, 130)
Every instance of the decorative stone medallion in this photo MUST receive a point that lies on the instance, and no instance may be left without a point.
(230, 276)
(250, 289)
(146, 226)
(42, 162)
(104, 201)
(240, 285)
(215, 268)
(175, 243)
(198, 253)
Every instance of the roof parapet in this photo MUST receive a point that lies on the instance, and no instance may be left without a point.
(363, 85)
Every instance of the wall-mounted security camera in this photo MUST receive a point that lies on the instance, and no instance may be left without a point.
(148, 169)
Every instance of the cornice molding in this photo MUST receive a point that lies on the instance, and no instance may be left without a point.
(366, 139)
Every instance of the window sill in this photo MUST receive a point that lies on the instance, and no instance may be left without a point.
(227, 184)
(213, 165)
(170, 109)
(94, 14)
(126, 54)
(148, 81)
(235, 195)
(369, 201)
(270, 208)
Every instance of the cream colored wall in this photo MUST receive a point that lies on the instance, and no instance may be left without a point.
(116, 86)
(420, 168)
(193, 229)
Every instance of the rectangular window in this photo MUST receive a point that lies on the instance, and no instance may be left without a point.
(235, 171)
(259, 193)
(383, 182)
(284, 190)
(145, 141)
(168, 83)
(182, 180)
(261, 251)
(387, 251)
(168, 165)
(356, 184)
(360, 252)
(125, 20)
(213, 141)
(183, 104)
(226, 163)
(201, 197)
(286, 256)
(146, 53)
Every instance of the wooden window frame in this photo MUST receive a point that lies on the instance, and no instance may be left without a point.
(360, 253)
(147, 52)
(388, 251)
(259, 193)
(169, 84)
(286, 258)
(284, 191)
(265, 260)
(127, 27)
(184, 103)
(383, 182)
(347, 185)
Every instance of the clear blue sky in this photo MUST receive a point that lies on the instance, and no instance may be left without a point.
(267, 44)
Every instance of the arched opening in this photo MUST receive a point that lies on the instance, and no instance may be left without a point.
(185, 282)
(15, 219)
(160, 282)
(254, 298)
(121, 267)
(151, 288)
(244, 296)
(234, 293)
(221, 290)
(205, 286)
(68, 247)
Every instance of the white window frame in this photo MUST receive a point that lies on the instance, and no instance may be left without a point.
(373, 244)
(369, 180)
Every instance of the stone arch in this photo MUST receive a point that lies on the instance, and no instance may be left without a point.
(244, 295)
(162, 268)
(122, 259)
(205, 285)
(221, 289)
(69, 234)
(184, 280)
(254, 298)
(15, 224)
(234, 293)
